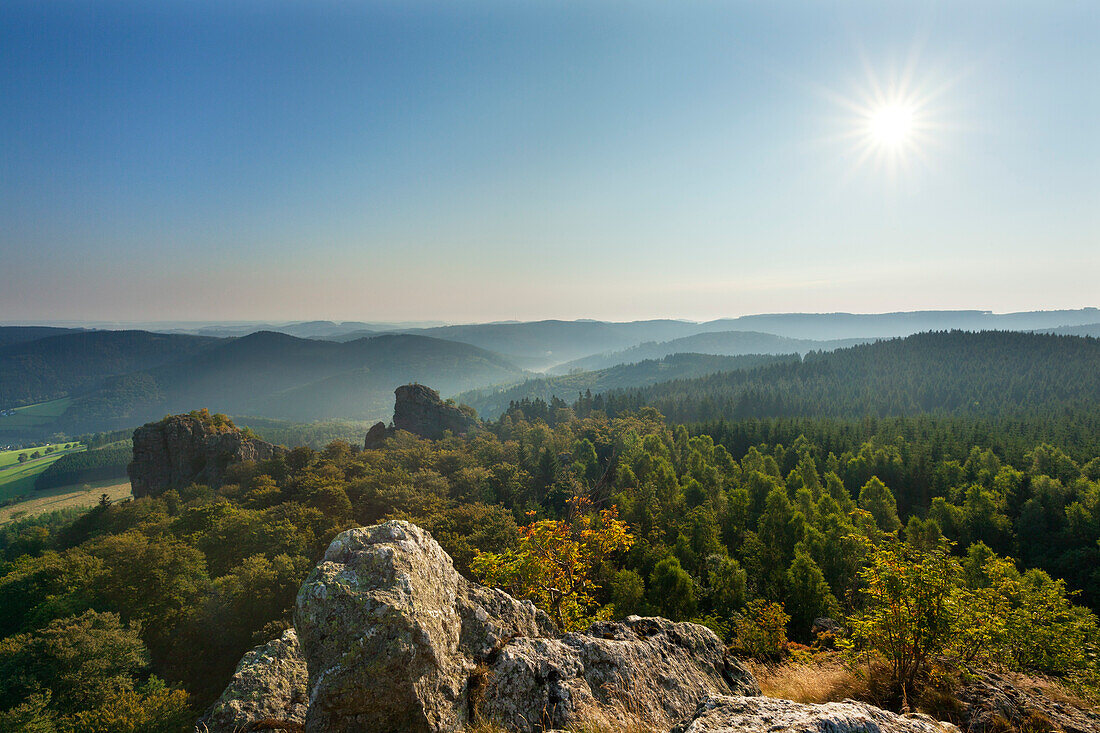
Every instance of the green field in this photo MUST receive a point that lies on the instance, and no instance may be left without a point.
(11, 457)
(37, 415)
(17, 478)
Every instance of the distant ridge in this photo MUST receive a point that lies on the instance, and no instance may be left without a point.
(957, 373)
(720, 343)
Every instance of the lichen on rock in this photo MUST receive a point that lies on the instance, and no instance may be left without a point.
(269, 684)
(739, 714)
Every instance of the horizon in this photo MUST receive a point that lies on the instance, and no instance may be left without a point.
(488, 162)
(102, 324)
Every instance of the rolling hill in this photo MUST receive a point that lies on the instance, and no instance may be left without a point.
(59, 366)
(279, 376)
(542, 344)
(492, 403)
(21, 334)
(721, 343)
(985, 374)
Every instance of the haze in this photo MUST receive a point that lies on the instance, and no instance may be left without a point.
(483, 161)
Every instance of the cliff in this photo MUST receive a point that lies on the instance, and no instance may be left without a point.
(195, 448)
(419, 410)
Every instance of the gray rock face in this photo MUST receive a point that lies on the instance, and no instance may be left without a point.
(991, 700)
(269, 685)
(182, 449)
(420, 411)
(738, 714)
(391, 632)
(396, 640)
(643, 671)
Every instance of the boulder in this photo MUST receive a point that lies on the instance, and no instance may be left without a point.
(376, 436)
(826, 625)
(391, 632)
(642, 671)
(419, 410)
(993, 701)
(396, 640)
(738, 714)
(268, 686)
(181, 450)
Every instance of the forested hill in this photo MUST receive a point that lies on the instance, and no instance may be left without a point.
(986, 374)
(721, 343)
(492, 403)
(59, 366)
(280, 376)
(21, 334)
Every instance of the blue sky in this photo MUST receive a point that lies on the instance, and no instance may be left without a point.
(477, 161)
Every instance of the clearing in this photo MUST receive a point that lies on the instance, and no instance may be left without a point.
(36, 415)
(64, 497)
(18, 478)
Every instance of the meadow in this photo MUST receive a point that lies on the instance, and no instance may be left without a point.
(18, 478)
(36, 415)
(65, 497)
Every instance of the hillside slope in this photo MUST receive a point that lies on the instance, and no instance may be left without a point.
(987, 374)
(719, 343)
(60, 366)
(279, 376)
(492, 403)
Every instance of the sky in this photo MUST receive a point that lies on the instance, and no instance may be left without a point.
(478, 161)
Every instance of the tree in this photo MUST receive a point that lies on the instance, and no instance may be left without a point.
(672, 590)
(808, 595)
(910, 611)
(727, 584)
(22, 457)
(875, 498)
(553, 563)
(627, 592)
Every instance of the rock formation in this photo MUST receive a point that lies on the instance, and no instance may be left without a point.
(419, 410)
(184, 449)
(996, 701)
(647, 671)
(740, 714)
(396, 640)
(269, 685)
(393, 639)
(376, 436)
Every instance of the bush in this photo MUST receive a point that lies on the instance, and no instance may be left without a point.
(761, 631)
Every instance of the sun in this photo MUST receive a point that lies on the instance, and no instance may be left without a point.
(892, 122)
(891, 125)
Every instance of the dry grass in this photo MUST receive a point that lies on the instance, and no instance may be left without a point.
(64, 497)
(825, 680)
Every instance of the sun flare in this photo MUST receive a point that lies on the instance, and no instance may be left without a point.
(891, 125)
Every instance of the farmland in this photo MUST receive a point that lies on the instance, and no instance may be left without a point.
(65, 497)
(34, 416)
(18, 478)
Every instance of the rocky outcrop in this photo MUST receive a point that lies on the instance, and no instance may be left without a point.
(393, 639)
(391, 632)
(998, 701)
(376, 436)
(739, 714)
(647, 671)
(420, 411)
(396, 640)
(181, 450)
(268, 686)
